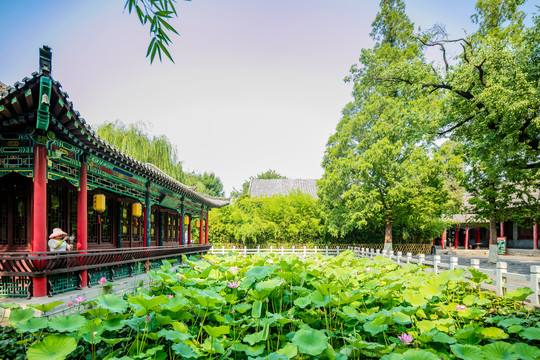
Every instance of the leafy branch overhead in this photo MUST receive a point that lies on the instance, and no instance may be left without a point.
(157, 15)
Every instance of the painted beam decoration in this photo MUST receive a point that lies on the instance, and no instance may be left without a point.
(16, 154)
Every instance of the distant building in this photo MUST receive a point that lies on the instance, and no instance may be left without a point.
(470, 230)
(271, 187)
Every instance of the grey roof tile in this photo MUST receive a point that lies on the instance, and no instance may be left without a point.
(270, 187)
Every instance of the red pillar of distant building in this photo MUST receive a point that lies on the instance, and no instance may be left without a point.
(206, 229)
(502, 228)
(478, 229)
(456, 238)
(201, 226)
(443, 238)
(39, 212)
(467, 237)
(82, 217)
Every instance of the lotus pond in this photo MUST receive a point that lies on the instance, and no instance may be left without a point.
(271, 307)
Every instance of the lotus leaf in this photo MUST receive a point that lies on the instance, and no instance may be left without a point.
(518, 294)
(243, 307)
(258, 336)
(46, 307)
(514, 329)
(431, 288)
(52, 347)
(302, 302)
(493, 333)
(310, 341)
(288, 350)
(32, 325)
(269, 285)
(425, 325)
(499, 350)
(526, 352)
(318, 299)
(259, 272)
(175, 335)
(256, 310)
(67, 323)
(414, 298)
(467, 352)
(215, 331)
(444, 338)
(532, 333)
(506, 322)
(18, 316)
(113, 303)
(413, 355)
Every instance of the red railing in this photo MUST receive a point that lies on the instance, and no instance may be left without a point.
(38, 264)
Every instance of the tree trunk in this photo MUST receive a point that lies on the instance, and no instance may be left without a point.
(388, 235)
(493, 249)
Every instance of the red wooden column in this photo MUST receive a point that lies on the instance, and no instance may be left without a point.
(39, 213)
(206, 228)
(456, 238)
(535, 236)
(201, 226)
(478, 237)
(502, 228)
(467, 238)
(82, 217)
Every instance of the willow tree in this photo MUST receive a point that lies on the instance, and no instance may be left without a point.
(491, 106)
(158, 150)
(378, 166)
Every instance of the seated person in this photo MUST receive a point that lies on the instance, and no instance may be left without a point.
(59, 240)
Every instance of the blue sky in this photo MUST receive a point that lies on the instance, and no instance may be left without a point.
(257, 85)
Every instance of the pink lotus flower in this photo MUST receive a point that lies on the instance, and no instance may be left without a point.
(79, 299)
(233, 284)
(170, 296)
(368, 269)
(102, 281)
(211, 261)
(69, 303)
(234, 270)
(460, 307)
(406, 338)
(180, 277)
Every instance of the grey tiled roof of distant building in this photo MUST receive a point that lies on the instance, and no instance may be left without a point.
(270, 187)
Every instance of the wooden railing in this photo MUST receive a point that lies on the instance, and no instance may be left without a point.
(41, 264)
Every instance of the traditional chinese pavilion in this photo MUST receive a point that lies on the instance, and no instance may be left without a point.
(55, 171)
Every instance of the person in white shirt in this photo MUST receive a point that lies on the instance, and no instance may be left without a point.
(59, 240)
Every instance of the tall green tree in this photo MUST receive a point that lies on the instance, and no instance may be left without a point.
(378, 167)
(491, 105)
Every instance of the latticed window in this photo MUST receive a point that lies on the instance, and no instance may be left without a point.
(100, 229)
(170, 227)
(4, 219)
(14, 210)
(57, 207)
(154, 224)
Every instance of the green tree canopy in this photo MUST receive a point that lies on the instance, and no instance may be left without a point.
(379, 169)
(158, 150)
(490, 105)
